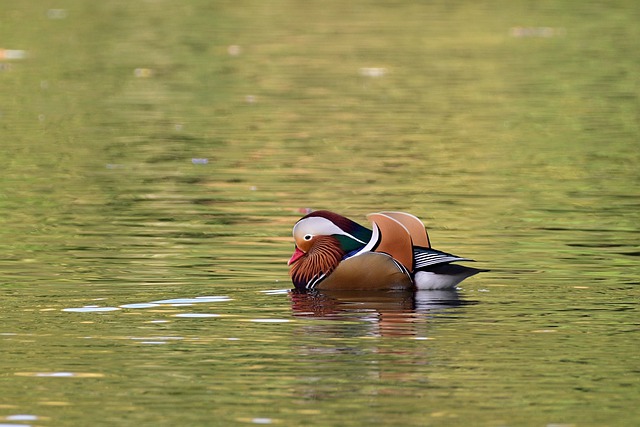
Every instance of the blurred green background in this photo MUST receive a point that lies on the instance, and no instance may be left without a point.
(154, 149)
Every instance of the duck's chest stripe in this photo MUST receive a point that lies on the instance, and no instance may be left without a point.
(315, 280)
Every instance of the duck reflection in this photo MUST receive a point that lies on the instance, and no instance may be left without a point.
(334, 353)
(383, 313)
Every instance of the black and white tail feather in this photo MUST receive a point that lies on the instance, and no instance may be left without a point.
(434, 270)
(426, 257)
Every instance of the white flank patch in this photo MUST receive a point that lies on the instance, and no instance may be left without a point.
(426, 280)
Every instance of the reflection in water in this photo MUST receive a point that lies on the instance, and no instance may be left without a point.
(60, 374)
(373, 364)
(385, 313)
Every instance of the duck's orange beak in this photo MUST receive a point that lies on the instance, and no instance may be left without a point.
(297, 254)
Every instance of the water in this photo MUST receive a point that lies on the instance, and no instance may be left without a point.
(156, 155)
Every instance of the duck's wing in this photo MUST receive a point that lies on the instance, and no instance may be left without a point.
(392, 238)
(412, 223)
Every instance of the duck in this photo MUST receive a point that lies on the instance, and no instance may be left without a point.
(333, 252)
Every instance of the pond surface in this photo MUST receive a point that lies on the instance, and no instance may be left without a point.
(156, 155)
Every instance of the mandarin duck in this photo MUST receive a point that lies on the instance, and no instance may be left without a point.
(335, 253)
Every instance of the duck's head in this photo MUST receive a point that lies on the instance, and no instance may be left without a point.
(322, 239)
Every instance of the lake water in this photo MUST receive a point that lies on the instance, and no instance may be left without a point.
(155, 155)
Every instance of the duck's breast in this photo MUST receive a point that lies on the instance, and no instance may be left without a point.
(372, 270)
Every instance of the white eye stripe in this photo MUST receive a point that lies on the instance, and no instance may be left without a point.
(318, 226)
(307, 237)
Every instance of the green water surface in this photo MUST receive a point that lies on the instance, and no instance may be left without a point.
(158, 152)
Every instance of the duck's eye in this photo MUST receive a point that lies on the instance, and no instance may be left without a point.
(307, 237)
